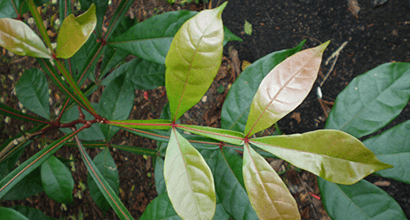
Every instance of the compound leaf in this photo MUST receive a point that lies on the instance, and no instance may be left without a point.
(393, 147)
(267, 193)
(371, 100)
(361, 201)
(331, 154)
(189, 180)
(108, 169)
(236, 106)
(20, 39)
(74, 32)
(193, 60)
(32, 92)
(57, 180)
(284, 88)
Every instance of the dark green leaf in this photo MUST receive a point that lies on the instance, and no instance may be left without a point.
(361, 201)
(393, 147)
(229, 36)
(64, 8)
(112, 57)
(371, 100)
(118, 17)
(7, 111)
(108, 169)
(116, 103)
(152, 38)
(29, 186)
(31, 213)
(159, 175)
(9, 213)
(235, 162)
(136, 150)
(32, 92)
(81, 60)
(160, 208)
(237, 104)
(57, 180)
(142, 73)
(102, 6)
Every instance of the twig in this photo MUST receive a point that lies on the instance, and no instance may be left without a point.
(17, 141)
(334, 55)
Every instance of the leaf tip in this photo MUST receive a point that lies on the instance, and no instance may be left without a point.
(222, 6)
(323, 46)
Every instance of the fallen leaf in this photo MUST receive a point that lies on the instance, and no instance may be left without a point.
(296, 116)
(248, 28)
(353, 7)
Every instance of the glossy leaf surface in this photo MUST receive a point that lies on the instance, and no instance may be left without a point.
(371, 100)
(9, 213)
(223, 135)
(189, 180)
(116, 103)
(28, 186)
(393, 147)
(235, 109)
(108, 169)
(103, 185)
(361, 201)
(57, 180)
(74, 32)
(142, 73)
(193, 60)
(32, 92)
(331, 154)
(284, 89)
(18, 38)
(267, 193)
(151, 39)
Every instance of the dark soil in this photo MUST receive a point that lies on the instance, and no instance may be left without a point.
(375, 35)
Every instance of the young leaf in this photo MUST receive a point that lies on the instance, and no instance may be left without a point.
(103, 185)
(223, 135)
(193, 60)
(362, 200)
(189, 180)
(268, 194)
(108, 169)
(18, 38)
(116, 103)
(393, 147)
(74, 32)
(284, 89)
(371, 100)
(331, 154)
(57, 180)
(32, 92)
(248, 28)
(151, 39)
(236, 106)
(9, 213)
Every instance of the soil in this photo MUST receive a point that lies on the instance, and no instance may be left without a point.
(374, 35)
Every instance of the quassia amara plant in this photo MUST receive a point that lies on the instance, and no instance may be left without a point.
(199, 173)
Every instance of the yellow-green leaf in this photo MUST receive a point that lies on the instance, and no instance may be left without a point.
(268, 194)
(18, 38)
(248, 28)
(331, 154)
(74, 32)
(189, 180)
(193, 60)
(284, 89)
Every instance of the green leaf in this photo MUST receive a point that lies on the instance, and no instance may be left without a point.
(92, 133)
(81, 60)
(18, 38)
(267, 193)
(159, 175)
(393, 147)
(64, 9)
(228, 136)
(103, 185)
(284, 89)
(160, 208)
(112, 57)
(237, 104)
(101, 8)
(31, 213)
(116, 103)
(189, 180)
(108, 169)
(248, 28)
(371, 100)
(7, 111)
(229, 36)
(58, 183)
(117, 18)
(142, 73)
(361, 201)
(74, 32)
(9, 213)
(16, 8)
(136, 150)
(151, 39)
(32, 92)
(230, 187)
(331, 154)
(28, 186)
(193, 60)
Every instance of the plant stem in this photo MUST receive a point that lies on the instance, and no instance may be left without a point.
(40, 24)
